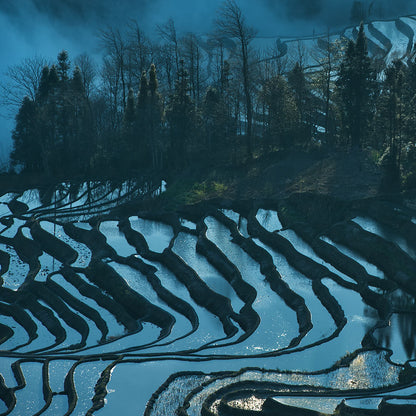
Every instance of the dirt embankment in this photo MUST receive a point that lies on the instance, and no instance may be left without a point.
(345, 175)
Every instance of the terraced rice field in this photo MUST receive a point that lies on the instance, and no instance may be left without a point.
(235, 309)
(387, 40)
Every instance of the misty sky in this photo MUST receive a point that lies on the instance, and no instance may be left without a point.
(45, 27)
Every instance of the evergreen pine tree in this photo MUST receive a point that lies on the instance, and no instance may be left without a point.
(156, 141)
(213, 116)
(82, 141)
(409, 101)
(77, 83)
(356, 90)
(43, 90)
(303, 98)
(48, 123)
(141, 149)
(390, 104)
(232, 23)
(282, 114)
(26, 148)
(53, 78)
(153, 81)
(127, 151)
(130, 112)
(408, 124)
(182, 120)
(142, 100)
(226, 96)
(64, 145)
(63, 66)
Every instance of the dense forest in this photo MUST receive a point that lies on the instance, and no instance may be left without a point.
(161, 105)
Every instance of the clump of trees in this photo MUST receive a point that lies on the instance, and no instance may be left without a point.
(54, 130)
(164, 104)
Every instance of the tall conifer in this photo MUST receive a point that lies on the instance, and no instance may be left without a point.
(356, 89)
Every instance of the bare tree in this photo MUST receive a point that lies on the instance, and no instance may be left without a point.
(110, 87)
(328, 57)
(168, 33)
(231, 23)
(216, 57)
(163, 59)
(299, 55)
(139, 54)
(275, 62)
(194, 60)
(116, 48)
(22, 80)
(88, 71)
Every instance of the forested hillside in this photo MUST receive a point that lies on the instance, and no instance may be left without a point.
(164, 103)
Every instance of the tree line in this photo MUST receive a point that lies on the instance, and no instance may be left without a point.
(165, 104)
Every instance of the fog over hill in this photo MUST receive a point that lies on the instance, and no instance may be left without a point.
(270, 16)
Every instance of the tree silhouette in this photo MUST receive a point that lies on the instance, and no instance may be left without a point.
(231, 23)
(356, 88)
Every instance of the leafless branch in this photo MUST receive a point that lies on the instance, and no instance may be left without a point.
(21, 80)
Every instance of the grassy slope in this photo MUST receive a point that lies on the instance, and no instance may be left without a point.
(345, 175)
